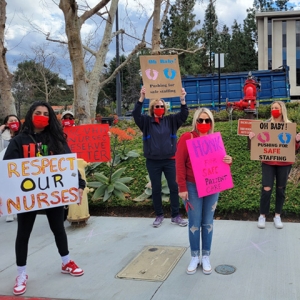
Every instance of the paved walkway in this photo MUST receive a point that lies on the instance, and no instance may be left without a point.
(267, 261)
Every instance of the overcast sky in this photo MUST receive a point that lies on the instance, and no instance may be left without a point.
(45, 15)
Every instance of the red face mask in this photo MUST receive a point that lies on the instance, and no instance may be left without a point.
(14, 126)
(68, 123)
(275, 113)
(203, 128)
(159, 111)
(40, 122)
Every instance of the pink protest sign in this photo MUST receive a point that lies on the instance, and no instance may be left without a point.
(212, 175)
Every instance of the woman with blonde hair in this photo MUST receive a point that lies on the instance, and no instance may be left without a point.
(159, 143)
(201, 209)
(272, 169)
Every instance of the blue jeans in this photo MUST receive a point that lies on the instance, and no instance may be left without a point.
(155, 169)
(201, 217)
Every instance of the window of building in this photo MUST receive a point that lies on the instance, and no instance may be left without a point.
(298, 53)
(269, 44)
(284, 42)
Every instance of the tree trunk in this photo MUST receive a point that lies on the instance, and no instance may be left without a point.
(80, 83)
(94, 78)
(156, 28)
(6, 78)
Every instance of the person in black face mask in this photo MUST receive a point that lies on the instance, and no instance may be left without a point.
(41, 135)
(159, 141)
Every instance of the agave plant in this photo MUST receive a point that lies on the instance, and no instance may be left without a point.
(108, 186)
(165, 191)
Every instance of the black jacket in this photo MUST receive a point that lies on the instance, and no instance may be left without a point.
(17, 146)
(159, 139)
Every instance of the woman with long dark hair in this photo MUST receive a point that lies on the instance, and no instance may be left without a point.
(41, 128)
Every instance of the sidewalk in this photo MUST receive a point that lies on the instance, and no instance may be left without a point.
(267, 261)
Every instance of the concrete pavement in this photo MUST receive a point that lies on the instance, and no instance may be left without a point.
(266, 261)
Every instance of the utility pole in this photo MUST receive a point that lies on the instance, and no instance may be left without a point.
(118, 77)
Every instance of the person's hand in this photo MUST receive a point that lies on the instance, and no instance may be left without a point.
(251, 135)
(298, 137)
(143, 94)
(227, 159)
(1, 213)
(184, 195)
(2, 127)
(182, 97)
(80, 194)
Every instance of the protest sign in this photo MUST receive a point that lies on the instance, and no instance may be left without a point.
(161, 76)
(91, 142)
(273, 142)
(212, 175)
(244, 126)
(36, 183)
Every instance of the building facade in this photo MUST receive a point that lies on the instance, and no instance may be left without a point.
(279, 44)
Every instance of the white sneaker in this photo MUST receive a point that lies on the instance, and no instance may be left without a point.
(261, 222)
(9, 218)
(192, 268)
(277, 222)
(206, 267)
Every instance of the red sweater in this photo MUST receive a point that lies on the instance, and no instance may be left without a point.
(184, 171)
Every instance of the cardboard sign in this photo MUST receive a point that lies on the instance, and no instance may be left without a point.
(91, 142)
(273, 141)
(36, 183)
(212, 175)
(161, 76)
(244, 126)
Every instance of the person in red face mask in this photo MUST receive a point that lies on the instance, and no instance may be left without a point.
(274, 169)
(159, 143)
(67, 119)
(42, 135)
(201, 210)
(10, 128)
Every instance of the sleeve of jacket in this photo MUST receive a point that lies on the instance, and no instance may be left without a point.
(137, 115)
(81, 182)
(182, 116)
(181, 157)
(14, 149)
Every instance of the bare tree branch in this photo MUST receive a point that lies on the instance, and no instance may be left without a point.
(88, 14)
(134, 51)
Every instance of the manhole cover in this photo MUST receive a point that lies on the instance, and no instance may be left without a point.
(225, 269)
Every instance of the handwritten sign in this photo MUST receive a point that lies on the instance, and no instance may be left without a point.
(161, 76)
(273, 142)
(91, 142)
(212, 175)
(244, 126)
(37, 183)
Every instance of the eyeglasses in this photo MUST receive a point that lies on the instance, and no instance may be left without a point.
(159, 106)
(68, 118)
(207, 121)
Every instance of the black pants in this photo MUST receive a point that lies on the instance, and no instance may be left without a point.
(155, 169)
(25, 224)
(269, 173)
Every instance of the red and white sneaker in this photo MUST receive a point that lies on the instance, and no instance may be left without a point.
(20, 286)
(72, 269)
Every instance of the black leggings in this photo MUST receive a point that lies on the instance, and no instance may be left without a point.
(26, 220)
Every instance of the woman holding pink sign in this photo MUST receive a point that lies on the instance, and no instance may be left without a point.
(200, 209)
